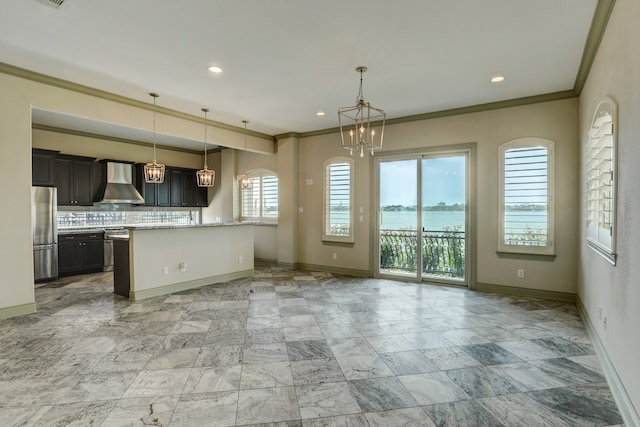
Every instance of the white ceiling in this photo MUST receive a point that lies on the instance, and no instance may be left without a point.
(284, 60)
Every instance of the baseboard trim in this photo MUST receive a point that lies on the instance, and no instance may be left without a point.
(336, 270)
(525, 292)
(191, 284)
(265, 260)
(627, 410)
(17, 310)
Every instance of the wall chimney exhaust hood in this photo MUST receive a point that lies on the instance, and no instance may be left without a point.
(117, 185)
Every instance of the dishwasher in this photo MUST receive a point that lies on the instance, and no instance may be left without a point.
(108, 246)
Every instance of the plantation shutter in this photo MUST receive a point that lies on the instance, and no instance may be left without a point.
(338, 188)
(251, 198)
(526, 196)
(260, 199)
(270, 196)
(600, 180)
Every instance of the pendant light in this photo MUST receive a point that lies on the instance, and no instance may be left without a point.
(357, 122)
(244, 179)
(205, 177)
(154, 172)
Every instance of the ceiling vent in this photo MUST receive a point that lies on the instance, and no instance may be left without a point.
(58, 4)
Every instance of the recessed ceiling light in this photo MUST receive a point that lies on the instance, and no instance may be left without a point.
(497, 79)
(215, 69)
(320, 113)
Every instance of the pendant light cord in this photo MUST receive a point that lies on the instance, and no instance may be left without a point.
(205, 137)
(154, 95)
(360, 99)
(245, 134)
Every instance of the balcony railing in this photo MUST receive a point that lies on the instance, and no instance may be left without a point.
(442, 252)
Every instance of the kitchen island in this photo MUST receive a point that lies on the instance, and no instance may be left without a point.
(159, 260)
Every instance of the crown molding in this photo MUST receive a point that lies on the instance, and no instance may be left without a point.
(547, 97)
(596, 32)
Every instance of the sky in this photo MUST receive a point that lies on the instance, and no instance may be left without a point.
(443, 180)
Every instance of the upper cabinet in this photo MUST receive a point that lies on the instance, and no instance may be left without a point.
(153, 194)
(73, 175)
(179, 188)
(42, 167)
(184, 189)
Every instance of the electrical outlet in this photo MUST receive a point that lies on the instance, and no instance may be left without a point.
(183, 266)
(240, 259)
(604, 321)
(335, 256)
(165, 270)
(520, 273)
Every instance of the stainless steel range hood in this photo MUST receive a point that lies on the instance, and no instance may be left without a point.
(118, 187)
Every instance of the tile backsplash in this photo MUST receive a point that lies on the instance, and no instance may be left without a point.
(74, 219)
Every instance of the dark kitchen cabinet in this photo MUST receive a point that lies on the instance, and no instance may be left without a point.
(153, 194)
(202, 196)
(184, 189)
(73, 176)
(42, 167)
(80, 253)
(179, 189)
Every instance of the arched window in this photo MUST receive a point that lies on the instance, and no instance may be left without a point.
(526, 196)
(259, 200)
(338, 200)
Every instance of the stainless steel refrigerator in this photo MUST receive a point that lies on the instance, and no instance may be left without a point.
(44, 229)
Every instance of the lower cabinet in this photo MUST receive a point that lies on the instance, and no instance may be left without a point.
(80, 253)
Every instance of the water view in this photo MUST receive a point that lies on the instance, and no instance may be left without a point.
(431, 220)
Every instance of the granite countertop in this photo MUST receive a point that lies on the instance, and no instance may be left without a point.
(169, 226)
(80, 230)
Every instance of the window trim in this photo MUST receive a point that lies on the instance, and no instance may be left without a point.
(604, 247)
(549, 249)
(326, 237)
(259, 173)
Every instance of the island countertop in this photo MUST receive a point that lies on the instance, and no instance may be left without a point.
(170, 226)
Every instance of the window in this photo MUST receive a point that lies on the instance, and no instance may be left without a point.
(260, 200)
(338, 200)
(526, 196)
(600, 181)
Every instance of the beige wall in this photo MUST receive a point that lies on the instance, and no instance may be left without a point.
(616, 73)
(108, 149)
(265, 242)
(552, 120)
(16, 259)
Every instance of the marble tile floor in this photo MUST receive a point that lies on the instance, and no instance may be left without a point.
(298, 348)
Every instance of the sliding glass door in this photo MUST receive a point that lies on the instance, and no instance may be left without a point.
(422, 205)
(444, 219)
(398, 217)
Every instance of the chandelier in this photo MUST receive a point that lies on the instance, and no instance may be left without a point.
(205, 177)
(154, 172)
(357, 124)
(244, 179)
